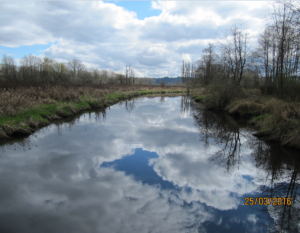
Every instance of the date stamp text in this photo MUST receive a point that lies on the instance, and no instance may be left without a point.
(268, 201)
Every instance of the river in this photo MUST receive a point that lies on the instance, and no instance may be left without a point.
(161, 164)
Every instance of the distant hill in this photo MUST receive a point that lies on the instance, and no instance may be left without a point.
(168, 81)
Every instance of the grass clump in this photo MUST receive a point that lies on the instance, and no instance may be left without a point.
(275, 119)
(283, 123)
(259, 117)
(285, 131)
(199, 98)
(33, 106)
(219, 95)
(245, 107)
(197, 94)
(278, 119)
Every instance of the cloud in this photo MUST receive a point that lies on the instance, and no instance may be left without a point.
(252, 218)
(110, 37)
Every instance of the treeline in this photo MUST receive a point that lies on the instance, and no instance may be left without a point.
(33, 69)
(273, 65)
(168, 80)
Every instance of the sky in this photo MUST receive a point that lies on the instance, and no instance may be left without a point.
(151, 36)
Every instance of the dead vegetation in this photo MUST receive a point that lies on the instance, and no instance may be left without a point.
(25, 108)
(17, 99)
(275, 119)
(257, 106)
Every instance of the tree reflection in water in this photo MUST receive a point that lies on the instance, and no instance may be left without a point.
(62, 125)
(162, 99)
(282, 180)
(185, 104)
(129, 105)
(23, 143)
(98, 116)
(281, 165)
(221, 130)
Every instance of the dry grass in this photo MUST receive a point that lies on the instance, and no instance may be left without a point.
(219, 95)
(14, 100)
(276, 118)
(283, 123)
(242, 107)
(25, 108)
(254, 107)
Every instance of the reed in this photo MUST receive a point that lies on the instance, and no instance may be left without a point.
(275, 119)
(33, 106)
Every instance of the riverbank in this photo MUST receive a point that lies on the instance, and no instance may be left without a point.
(275, 120)
(23, 110)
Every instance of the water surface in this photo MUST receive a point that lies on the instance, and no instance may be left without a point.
(147, 165)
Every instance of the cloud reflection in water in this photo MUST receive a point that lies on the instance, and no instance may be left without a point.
(88, 178)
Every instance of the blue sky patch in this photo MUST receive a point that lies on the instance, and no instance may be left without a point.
(21, 51)
(138, 166)
(247, 177)
(142, 8)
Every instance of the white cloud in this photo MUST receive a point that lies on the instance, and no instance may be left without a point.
(110, 37)
(252, 218)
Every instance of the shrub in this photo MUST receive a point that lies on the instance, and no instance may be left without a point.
(251, 107)
(162, 83)
(222, 93)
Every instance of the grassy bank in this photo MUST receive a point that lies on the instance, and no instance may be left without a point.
(275, 119)
(25, 109)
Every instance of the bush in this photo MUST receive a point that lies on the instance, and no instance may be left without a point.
(290, 90)
(222, 93)
(244, 107)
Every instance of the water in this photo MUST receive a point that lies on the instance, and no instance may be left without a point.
(147, 165)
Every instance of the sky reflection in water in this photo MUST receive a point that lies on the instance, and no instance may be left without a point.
(146, 165)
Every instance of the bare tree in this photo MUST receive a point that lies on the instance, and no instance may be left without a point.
(96, 76)
(283, 17)
(129, 75)
(237, 51)
(121, 78)
(47, 70)
(132, 76)
(187, 72)
(279, 50)
(183, 72)
(60, 72)
(126, 75)
(104, 76)
(206, 64)
(265, 53)
(30, 68)
(74, 66)
(9, 69)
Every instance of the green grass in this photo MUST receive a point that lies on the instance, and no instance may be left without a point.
(274, 119)
(113, 96)
(40, 112)
(199, 98)
(81, 105)
(35, 113)
(260, 117)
